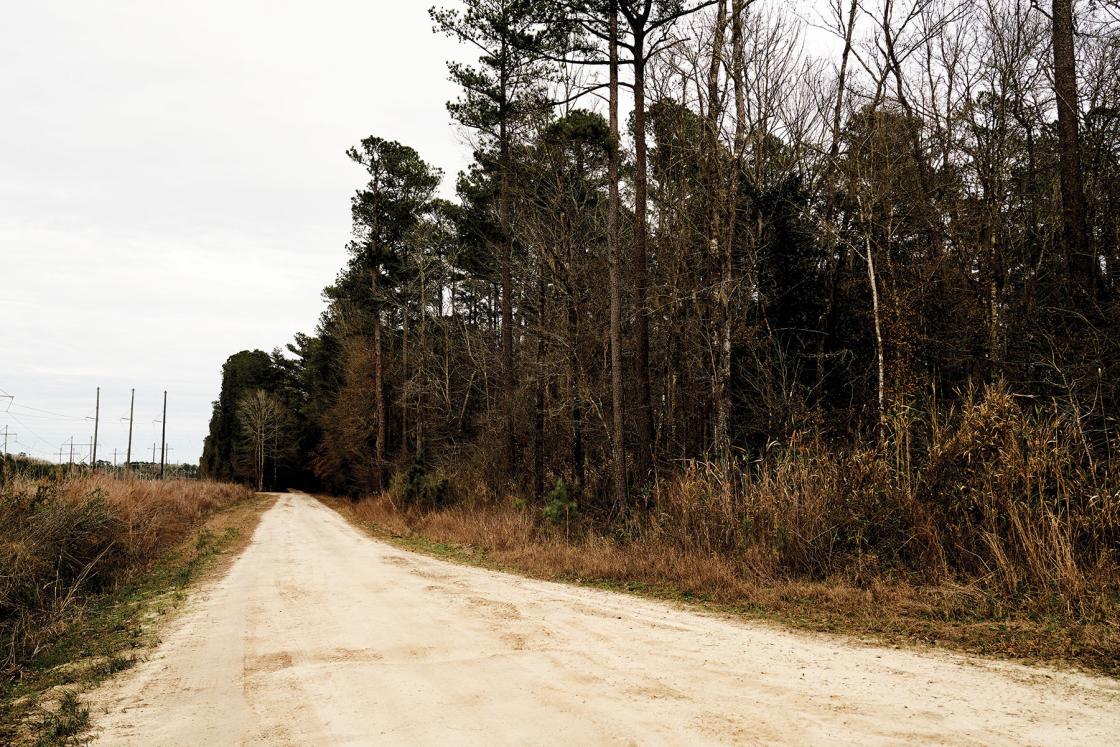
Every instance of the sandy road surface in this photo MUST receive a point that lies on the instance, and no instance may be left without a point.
(320, 635)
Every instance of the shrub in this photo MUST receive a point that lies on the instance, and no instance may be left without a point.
(62, 541)
(417, 487)
(558, 505)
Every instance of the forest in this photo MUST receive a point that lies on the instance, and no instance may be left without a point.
(820, 290)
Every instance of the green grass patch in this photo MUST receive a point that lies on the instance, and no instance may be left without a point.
(63, 725)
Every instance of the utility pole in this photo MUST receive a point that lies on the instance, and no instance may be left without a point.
(131, 416)
(163, 437)
(70, 468)
(4, 463)
(96, 423)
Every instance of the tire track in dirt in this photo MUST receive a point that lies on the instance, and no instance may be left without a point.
(321, 635)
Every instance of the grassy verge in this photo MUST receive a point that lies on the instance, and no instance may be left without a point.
(894, 611)
(109, 631)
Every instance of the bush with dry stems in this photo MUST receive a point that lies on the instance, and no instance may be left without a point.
(62, 541)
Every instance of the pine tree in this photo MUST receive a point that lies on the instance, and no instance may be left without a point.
(401, 185)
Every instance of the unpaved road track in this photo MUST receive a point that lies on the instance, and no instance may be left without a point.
(319, 635)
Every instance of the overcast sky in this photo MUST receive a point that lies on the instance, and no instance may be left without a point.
(173, 189)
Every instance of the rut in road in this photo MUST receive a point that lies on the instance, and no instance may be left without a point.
(321, 635)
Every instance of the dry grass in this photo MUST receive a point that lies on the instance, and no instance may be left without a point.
(61, 542)
(997, 535)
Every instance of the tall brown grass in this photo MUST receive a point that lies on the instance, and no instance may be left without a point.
(62, 541)
(999, 496)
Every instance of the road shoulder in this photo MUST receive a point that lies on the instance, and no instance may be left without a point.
(806, 609)
(121, 628)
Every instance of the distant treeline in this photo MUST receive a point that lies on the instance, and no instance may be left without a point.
(12, 465)
(31, 468)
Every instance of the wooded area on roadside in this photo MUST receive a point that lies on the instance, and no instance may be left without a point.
(822, 312)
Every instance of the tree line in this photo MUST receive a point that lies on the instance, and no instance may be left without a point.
(695, 232)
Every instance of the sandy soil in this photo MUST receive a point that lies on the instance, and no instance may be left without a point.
(321, 635)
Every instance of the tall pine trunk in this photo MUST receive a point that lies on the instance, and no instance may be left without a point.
(509, 374)
(618, 447)
(836, 253)
(538, 414)
(378, 382)
(1081, 264)
(574, 378)
(641, 261)
(406, 384)
(576, 396)
(421, 393)
(721, 249)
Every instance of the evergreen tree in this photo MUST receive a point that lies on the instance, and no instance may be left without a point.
(400, 187)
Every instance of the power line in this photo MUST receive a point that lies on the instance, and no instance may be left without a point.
(29, 430)
(46, 416)
(45, 412)
(12, 403)
(33, 413)
(41, 418)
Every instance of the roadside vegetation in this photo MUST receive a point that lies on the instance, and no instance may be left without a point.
(86, 563)
(1001, 541)
(827, 330)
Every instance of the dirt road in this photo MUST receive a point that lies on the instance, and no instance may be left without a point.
(320, 635)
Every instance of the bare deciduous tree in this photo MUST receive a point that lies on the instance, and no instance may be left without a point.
(263, 422)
